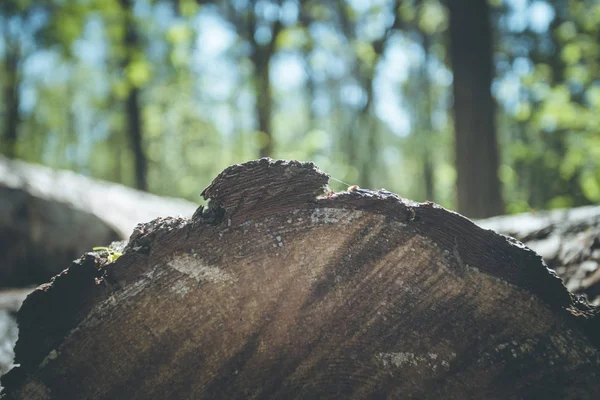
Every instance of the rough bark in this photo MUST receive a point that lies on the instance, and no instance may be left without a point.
(48, 218)
(282, 290)
(476, 149)
(568, 240)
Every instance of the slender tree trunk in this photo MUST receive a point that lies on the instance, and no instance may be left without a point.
(72, 160)
(246, 23)
(264, 100)
(311, 88)
(350, 137)
(133, 111)
(120, 156)
(11, 103)
(427, 124)
(134, 126)
(476, 150)
(367, 127)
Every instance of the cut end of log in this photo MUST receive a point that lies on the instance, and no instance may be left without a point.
(255, 188)
(280, 289)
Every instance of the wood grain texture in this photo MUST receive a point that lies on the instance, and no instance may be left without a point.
(282, 290)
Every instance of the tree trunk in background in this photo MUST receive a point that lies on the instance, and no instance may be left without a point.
(367, 126)
(476, 150)
(11, 103)
(350, 134)
(261, 59)
(261, 54)
(427, 123)
(134, 126)
(246, 23)
(132, 103)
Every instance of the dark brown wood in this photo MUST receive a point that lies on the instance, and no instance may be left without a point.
(12, 98)
(133, 107)
(48, 218)
(261, 59)
(282, 290)
(476, 150)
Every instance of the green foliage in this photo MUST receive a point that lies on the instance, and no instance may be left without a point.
(365, 53)
(193, 68)
(293, 38)
(433, 17)
(138, 72)
(557, 118)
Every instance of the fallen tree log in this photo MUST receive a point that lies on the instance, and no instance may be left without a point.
(568, 240)
(48, 218)
(280, 290)
(10, 302)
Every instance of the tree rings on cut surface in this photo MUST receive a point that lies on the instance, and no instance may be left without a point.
(280, 289)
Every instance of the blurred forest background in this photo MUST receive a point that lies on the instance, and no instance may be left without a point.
(484, 107)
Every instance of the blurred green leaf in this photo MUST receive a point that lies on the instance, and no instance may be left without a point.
(292, 38)
(433, 17)
(364, 52)
(543, 72)
(261, 139)
(138, 72)
(593, 97)
(566, 31)
(590, 184)
(178, 33)
(121, 89)
(507, 175)
(188, 8)
(407, 11)
(316, 10)
(578, 73)
(116, 32)
(571, 164)
(571, 53)
(524, 112)
(560, 202)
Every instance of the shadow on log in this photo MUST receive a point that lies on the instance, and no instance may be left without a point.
(48, 218)
(283, 290)
(568, 240)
